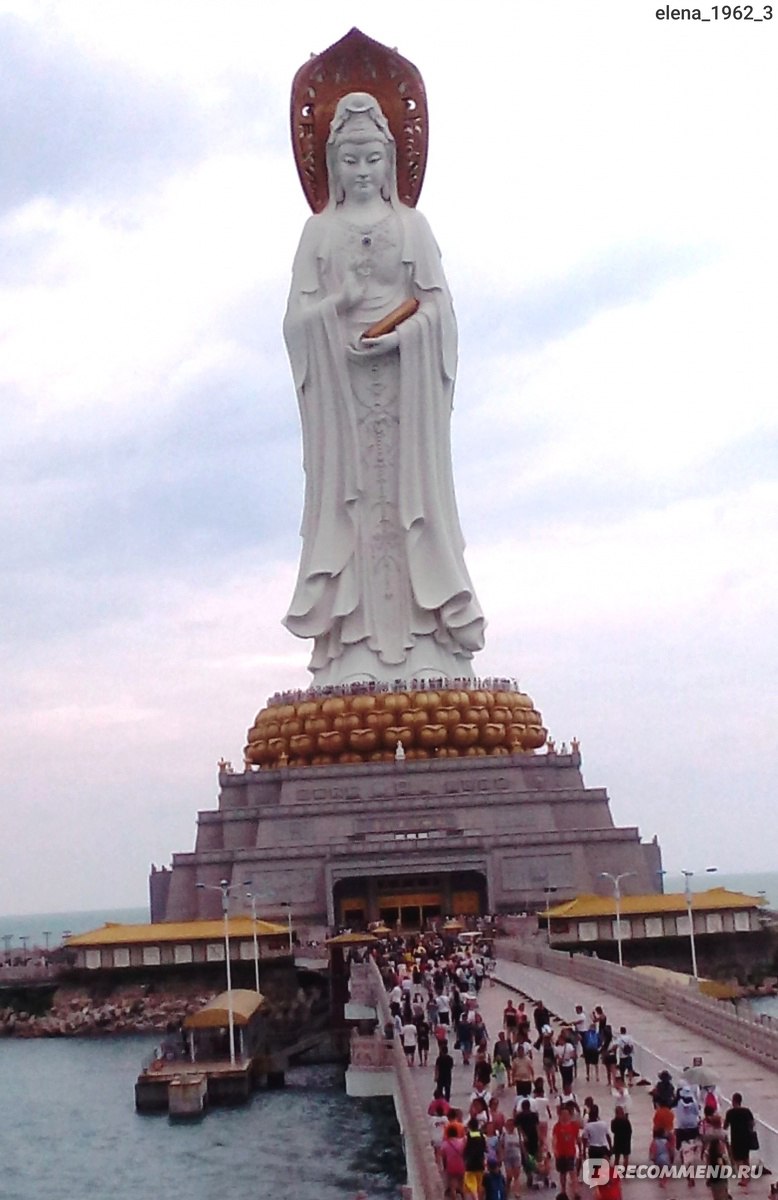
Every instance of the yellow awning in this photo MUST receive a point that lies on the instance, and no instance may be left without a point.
(215, 1014)
(351, 939)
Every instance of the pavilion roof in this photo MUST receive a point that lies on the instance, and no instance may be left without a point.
(113, 933)
(589, 906)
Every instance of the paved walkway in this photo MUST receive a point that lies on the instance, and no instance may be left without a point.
(662, 1037)
(657, 1037)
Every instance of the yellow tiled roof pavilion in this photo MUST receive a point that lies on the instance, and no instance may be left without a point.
(587, 907)
(113, 933)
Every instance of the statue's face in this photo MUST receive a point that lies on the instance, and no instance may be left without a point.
(362, 169)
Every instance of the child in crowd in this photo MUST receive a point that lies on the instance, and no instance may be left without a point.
(660, 1151)
(494, 1183)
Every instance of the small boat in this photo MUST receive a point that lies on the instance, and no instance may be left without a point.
(218, 1057)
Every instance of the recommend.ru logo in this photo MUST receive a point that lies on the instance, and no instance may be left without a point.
(597, 1171)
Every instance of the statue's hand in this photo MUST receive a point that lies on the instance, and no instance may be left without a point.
(380, 345)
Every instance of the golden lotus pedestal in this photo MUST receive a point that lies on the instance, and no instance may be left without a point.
(367, 727)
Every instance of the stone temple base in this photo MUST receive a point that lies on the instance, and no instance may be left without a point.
(350, 843)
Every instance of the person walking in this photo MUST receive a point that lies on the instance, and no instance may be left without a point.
(565, 1145)
(444, 1069)
(494, 1183)
(548, 1053)
(475, 1159)
(423, 1037)
(596, 1136)
(523, 1072)
(452, 1161)
(739, 1121)
(591, 1043)
(625, 1049)
(540, 1016)
(510, 1020)
(566, 1057)
(529, 1127)
(410, 1039)
(512, 1155)
(716, 1156)
(621, 1132)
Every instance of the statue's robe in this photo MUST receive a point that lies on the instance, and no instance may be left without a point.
(329, 602)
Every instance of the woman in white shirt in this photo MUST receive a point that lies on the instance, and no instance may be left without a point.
(410, 1037)
(595, 1135)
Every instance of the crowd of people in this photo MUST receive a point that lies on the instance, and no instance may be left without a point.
(530, 1120)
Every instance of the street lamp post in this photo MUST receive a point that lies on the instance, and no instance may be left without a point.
(687, 891)
(224, 887)
(47, 934)
(616, 881)
(8, 938)
(548, 890)
(24, 939)
(287, 904)
(250, 896)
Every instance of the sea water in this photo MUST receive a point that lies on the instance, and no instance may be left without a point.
(35, 926)
(69, 1131)
(753, 883)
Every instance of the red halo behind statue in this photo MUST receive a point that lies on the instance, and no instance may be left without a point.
(358, 64)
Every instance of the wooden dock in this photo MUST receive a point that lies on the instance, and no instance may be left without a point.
(223, 1083)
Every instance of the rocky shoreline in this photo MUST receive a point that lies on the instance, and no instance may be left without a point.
(75, 1012)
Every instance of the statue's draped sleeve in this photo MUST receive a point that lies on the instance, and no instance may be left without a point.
(428, 512)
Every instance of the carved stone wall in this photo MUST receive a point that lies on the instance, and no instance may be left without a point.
(523, 823)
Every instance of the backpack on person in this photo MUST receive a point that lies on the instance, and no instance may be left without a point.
(475, 1150)
(590, 1040)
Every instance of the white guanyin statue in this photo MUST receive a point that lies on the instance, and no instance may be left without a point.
(382, 588)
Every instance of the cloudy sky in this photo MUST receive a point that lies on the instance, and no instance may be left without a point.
(603, 188)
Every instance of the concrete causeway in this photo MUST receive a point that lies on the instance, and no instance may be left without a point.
(658, 1041)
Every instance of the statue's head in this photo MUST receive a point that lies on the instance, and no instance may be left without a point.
(359, 124)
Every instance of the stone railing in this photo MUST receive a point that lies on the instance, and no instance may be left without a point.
(371, 1051)
(745, 1034)
(424, 1178)
(29, 973)
(361, 983)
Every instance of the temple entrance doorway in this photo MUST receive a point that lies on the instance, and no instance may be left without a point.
(409, 903)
